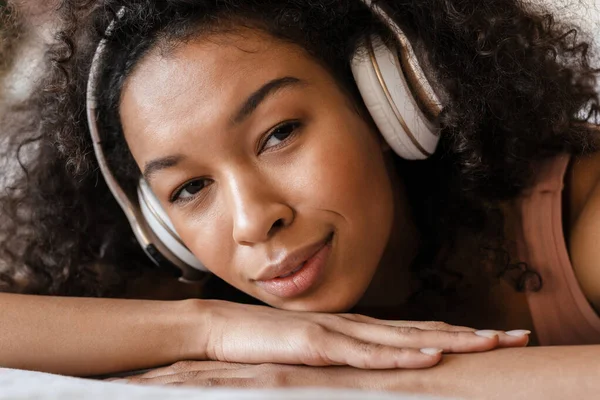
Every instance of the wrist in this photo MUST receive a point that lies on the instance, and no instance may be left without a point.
(194, 328)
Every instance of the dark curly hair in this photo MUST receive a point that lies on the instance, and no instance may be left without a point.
(517, 82)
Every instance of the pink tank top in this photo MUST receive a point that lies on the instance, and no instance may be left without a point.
(561, 314)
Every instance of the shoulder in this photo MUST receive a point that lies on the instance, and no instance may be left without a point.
(582, 223)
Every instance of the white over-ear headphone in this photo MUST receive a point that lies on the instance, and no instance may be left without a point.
(393, 86)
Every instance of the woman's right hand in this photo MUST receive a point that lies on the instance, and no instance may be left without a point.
(257, 334)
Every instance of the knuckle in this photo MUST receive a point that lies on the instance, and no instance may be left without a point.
(358, 317)
(369, 349)
(328, 319)
(438, 325)
(370, 352)
(446, 334)
(317, 355)
(313, 334)
(406, 330)
(455, 334)
(349, 316)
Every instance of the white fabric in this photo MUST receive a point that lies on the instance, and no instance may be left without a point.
(28, 385)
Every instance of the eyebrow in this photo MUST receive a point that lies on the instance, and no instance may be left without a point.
(152, 167)
(256, 98)
(243, 112)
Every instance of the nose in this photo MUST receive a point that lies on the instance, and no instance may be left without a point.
(258, 210)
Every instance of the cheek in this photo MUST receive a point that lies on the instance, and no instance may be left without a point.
(355, 185)
(349, 177)
(209, 238)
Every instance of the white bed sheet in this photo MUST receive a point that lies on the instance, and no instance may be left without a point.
(28, 385)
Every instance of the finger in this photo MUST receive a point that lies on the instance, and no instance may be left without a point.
(339, 349)
(184, 366)
(429, 325)
(187, 376)
(516, 338)
(401, 336)
(206, 378)
(220, 382)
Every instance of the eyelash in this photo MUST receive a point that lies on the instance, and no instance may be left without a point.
(294, 124)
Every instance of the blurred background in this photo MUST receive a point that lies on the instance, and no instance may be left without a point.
(36, 25)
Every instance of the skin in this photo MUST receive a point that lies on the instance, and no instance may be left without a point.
(265, 197)
(583, 215)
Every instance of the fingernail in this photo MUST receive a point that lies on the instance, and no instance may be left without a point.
(518, 333)
(431, 351)
(487, 333)
(121, 380)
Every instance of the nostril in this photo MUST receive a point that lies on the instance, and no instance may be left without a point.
(277, 225)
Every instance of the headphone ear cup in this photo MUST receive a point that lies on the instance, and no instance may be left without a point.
(160, 224)
(388, 97)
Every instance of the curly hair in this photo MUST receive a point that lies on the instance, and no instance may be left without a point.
(515, 80)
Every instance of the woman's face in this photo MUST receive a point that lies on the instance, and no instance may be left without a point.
(264, 166)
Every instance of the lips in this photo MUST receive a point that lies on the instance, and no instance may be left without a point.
(293, 262)
(294, 271)
(298, 272)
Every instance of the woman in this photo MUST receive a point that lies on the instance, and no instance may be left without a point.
(248, 127)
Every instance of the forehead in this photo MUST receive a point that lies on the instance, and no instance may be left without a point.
(218, 63)
(203, 79)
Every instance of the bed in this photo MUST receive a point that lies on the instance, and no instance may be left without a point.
(28, 385)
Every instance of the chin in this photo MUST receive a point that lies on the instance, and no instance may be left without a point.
(329, 305)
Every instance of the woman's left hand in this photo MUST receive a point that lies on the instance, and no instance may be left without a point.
(216, 373)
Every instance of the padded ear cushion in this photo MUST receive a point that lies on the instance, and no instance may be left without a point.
(162, 227)
(387, 96)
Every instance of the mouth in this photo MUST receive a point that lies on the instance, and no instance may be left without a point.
(298, 272)
(294, 271)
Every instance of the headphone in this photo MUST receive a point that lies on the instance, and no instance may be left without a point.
(394, 89)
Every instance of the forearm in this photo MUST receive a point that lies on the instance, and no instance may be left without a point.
(89, 336)
(528, 373)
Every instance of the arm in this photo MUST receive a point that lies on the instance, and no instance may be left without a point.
(568, 372)
(515, 373)
(89, 336)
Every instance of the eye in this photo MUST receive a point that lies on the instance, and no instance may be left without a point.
(280, 134)
(188, 190)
